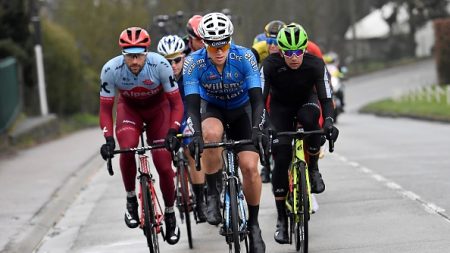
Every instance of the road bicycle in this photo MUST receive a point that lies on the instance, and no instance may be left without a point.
(184, 192)
(299, 198)
(234, 213)
(151, 215)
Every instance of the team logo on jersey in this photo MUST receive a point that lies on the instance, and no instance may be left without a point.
(104, 84)
(107, 69)
(211, 76)
(141, 92)
(147, 82)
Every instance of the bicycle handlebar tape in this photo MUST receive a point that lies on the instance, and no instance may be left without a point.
(109, 165)
(331, 146)
(198, 166)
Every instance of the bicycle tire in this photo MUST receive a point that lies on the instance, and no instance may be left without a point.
(301, 225)
(149, 217)
(234, 215)
(185, 201)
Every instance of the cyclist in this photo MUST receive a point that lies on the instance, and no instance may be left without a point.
(268, 45)
(223, 80)
(194, 41)
(171, 47)
(148, 94)
(298, 83)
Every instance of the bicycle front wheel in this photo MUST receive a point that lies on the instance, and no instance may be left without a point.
(234, 215)
(150, 225)
(302, 202)
(185, 200)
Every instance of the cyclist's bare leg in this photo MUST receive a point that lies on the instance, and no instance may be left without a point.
(248, 163)
(211, 161)
(212, 130)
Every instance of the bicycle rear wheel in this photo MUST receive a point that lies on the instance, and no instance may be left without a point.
(185, 201)
(234, 215)
(301, 224)
(149, 217)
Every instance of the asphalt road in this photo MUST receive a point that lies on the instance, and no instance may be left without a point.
(386, 189)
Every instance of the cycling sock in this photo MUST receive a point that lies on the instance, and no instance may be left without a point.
(211, 179)
(131, 194)
(253, 215)
(313, 162)
(198, 191)
(281, 207)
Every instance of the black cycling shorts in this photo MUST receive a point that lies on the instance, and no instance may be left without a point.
(237, 123)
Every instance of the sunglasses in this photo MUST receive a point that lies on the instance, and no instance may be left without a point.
(214, 50)
(291, 53)
(137, 56)
(271, 41)
(176, 60)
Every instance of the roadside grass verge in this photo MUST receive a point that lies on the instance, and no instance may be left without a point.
(428, 103)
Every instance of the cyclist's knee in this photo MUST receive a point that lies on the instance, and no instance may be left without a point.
(212, 130)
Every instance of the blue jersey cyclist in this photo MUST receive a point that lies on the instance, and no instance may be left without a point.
(223, 94)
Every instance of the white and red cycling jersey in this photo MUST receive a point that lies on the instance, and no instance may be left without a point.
(150, 97)
(153, 84)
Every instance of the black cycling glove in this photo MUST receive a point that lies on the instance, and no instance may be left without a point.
(331, 132)
(197, 140)
(171, 142)
(260, 136)
(107, 149)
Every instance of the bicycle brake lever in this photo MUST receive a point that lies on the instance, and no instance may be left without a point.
(109, 166)
(330, 146)
(262, 156)
(197, 159)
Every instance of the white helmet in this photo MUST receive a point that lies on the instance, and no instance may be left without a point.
(171, 44)
(215, 26)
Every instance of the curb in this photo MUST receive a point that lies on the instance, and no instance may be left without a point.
(32, 233)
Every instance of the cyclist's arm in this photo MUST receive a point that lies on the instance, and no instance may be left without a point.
(324, 90)
(170, 87)
(191, 84)
(254, 90)
(107, 95)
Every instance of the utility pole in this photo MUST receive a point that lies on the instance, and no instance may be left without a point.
(36, 21)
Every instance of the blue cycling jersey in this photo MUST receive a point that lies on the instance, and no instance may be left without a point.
(229, 89)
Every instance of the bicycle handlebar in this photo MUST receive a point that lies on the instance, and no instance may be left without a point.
(226, 144)
(140, 150)
(301, 134)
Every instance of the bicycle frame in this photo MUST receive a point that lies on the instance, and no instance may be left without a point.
(235, 220)
(298, 157)
(148, 199)
(184, 193)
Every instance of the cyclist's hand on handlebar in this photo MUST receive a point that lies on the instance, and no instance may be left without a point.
(331, 132)
(260, 136)
(171, 142)
(107, 149)
(197, 140)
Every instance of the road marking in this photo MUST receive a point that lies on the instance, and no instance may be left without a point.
(427, 206)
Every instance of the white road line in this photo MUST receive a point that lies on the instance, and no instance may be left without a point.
(427, 206)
